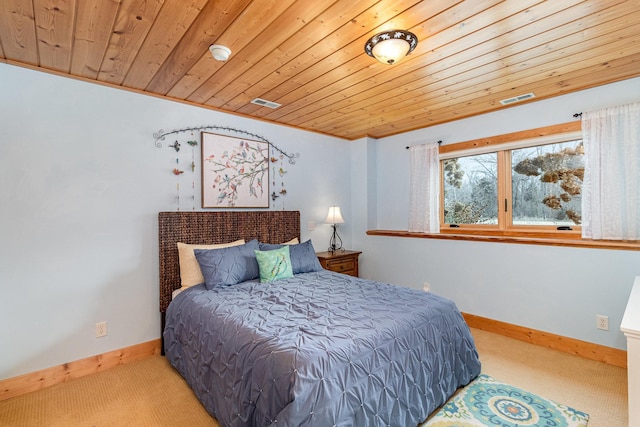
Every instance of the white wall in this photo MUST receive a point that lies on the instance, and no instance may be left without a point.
(81, 185)
(554, 289)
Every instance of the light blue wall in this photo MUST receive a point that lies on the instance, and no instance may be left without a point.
(554, 289)
(81, 185)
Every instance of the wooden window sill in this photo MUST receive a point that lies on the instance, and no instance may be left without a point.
(525, 240)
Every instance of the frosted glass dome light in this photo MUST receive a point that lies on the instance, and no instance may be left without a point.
(389, 47)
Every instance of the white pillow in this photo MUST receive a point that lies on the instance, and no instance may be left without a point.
(293, 241)
(190, 273)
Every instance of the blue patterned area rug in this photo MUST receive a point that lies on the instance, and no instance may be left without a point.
(487, 402)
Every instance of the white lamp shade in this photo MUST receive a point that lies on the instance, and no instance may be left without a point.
(334, 216)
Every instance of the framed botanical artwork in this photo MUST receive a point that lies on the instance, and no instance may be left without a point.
(235, 172)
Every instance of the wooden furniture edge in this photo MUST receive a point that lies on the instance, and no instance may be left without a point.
(22, 384)
(587, 350)
(338, 253)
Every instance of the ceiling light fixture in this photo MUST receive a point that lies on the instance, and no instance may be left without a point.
(219, 52)
(390, 47)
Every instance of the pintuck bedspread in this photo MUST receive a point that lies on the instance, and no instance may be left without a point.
(319, 349)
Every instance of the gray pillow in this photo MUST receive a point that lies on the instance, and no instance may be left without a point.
(303, 256)
(228, 266)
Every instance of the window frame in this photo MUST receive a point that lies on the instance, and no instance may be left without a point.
(502, 145)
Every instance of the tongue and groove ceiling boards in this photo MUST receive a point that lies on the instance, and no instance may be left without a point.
(309, 55)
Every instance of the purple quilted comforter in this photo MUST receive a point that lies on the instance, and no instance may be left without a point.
(319, 349)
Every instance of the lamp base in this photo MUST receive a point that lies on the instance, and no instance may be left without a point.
(335, 243)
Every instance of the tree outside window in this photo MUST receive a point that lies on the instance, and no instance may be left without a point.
(547, 184)
(471, 189)
(533, 186)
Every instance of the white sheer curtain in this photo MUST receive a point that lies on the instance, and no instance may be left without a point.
(611, 186)
(424, 188)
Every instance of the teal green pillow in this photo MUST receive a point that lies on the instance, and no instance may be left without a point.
(275, 264)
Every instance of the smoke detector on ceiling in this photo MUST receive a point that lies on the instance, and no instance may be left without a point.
(219, 52)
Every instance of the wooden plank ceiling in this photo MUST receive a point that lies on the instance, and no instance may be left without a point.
(308, 55)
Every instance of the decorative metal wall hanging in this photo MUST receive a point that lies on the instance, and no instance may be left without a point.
(161, 134)
(178, 172)
(226, 192)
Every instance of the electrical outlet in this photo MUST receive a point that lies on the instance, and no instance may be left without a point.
(602, 322)
(101, 329)
(426, 287)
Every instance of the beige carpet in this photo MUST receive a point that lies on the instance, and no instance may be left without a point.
(592, 387)
(143, 393)
(150, 393)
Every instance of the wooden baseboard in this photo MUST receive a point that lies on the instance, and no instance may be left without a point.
(33, 381)
(38, 380)
(600, 353)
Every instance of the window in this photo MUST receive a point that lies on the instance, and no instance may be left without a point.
(471, 189)
(514, 187)
(546, 184)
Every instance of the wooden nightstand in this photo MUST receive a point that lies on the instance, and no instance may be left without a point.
(340, 261)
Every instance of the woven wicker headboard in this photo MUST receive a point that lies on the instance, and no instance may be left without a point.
(216, 227)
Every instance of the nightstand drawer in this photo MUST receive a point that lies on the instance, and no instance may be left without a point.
(342, 261)
(346, 266)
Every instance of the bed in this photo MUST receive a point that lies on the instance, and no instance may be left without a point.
(314, 348)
